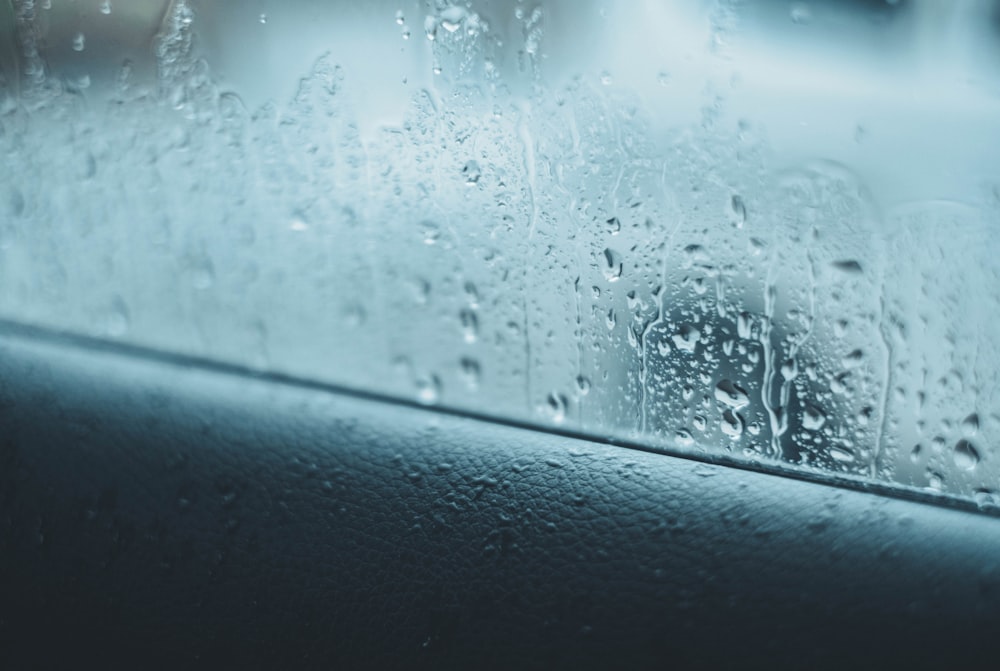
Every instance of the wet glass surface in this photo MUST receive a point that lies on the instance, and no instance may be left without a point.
(760, 230)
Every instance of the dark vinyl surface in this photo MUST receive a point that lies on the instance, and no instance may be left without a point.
(160, 516)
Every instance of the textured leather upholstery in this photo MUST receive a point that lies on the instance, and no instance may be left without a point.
(156, 515)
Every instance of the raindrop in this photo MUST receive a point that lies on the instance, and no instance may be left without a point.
(800, 13)
(965, 455)
(430, 27)
(557, 403)
(853, 359)
(849, 266)
(731, 395)
(743, 325)
(614, 225)
(732, 424)
(915, 453)
(612, 265)
(970, 425)
(355, 315)
(106, 7)
(686, 338)
(399, 17)
(683, 438)
(813, 418)
(739, 210)
(79, 42)
(790, 368)
(262, 18)
(842, 455)
(985, 498)
(470, 324)
(117, 321)
(471, 172)
(452, 17)
(935, 481)
(431, 232)
(582, 385)
(202, 274)
(471, 371)
(88, 167)
(699, 422)
(428, 390)
(472, 294)
(606, 78)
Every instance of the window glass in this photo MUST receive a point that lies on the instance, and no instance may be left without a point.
(758, 231)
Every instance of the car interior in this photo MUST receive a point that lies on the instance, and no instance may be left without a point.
(499, 334)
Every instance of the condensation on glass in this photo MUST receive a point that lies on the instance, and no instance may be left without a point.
(766, 230)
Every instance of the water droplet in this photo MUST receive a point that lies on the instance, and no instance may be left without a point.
(965, 455)
(202, 274)
(471, 172)
(612, 265)
(731, 395)
(614, 225)
(744, 325)
(606, 78)
(399, 17)
(841, 454)
(915, 453)
(732, 424)
(117, 320)
(686, 338)
(970, 425)
(813, 418)
(986, 498)
(739, 210)
(430, 27)
(556, 404)
(428, 389)
(106, 7)
(663, 78)
(864, 416)
(470, 324)
(790, 368)
(683, 438)
(853, 359)
(582, 385)
(79, 42)
(431, 232)
(800, 13)
(452, 17)
(88, 166)
(471, 371)
(355, 315)
(935, 481)
(699, 422)
(849, 266)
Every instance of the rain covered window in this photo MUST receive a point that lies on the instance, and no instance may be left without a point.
(757, 231)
